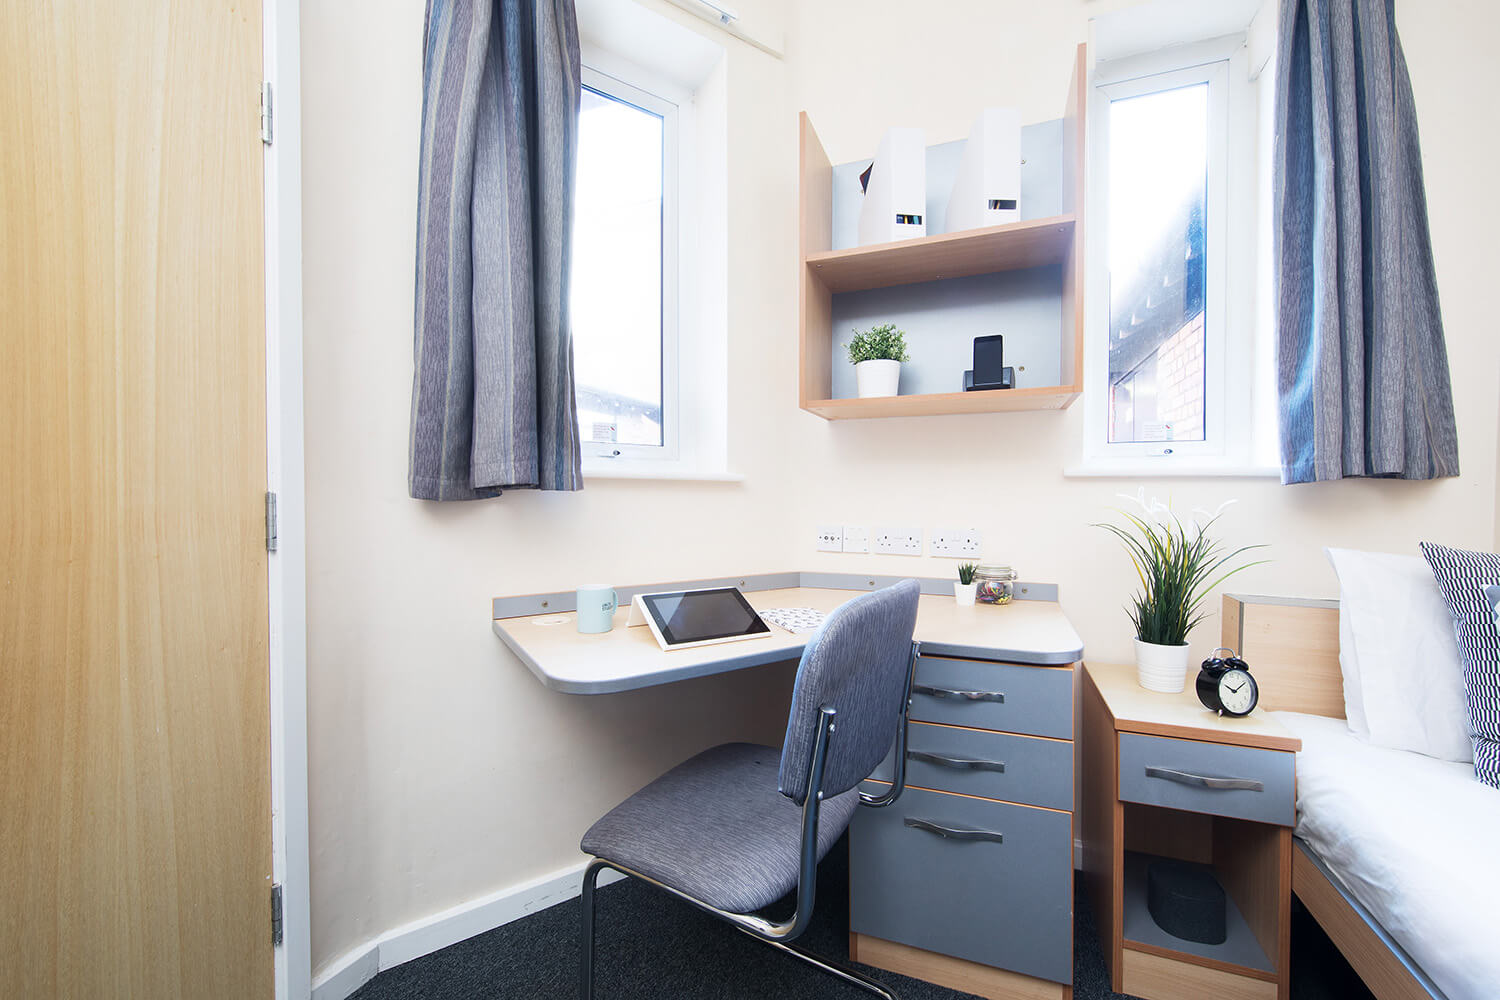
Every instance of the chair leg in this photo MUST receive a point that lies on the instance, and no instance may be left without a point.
(586, 939)
(843, 972)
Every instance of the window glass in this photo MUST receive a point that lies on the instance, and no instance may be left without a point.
(1158, 196)
(617, 272)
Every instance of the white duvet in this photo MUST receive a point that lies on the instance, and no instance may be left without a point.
(1413, 838)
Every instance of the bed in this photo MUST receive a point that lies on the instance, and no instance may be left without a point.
(1397, 854)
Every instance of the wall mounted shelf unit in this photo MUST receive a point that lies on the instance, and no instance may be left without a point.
(1049, 246)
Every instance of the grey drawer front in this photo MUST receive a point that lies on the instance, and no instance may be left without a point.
(1023, 769)
(1208, 778)
(1008, 904)
(1036, 701)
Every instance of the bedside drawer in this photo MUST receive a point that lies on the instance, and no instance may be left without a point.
(997, 889)
(1208, 778)
(1004, 696)
(1024, 769)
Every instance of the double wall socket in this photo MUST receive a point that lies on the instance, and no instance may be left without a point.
(899, 540)
(957, 543)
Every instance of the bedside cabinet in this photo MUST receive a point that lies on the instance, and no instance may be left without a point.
(967, 879)
(1165, 778)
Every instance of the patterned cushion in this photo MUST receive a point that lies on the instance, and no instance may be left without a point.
(1470, 582)
(716, 828)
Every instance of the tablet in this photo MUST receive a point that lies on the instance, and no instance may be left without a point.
(684, 618)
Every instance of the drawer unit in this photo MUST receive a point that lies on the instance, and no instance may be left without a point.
(985, 881)
(982, 695)
(1025, 769)
(1241, 782)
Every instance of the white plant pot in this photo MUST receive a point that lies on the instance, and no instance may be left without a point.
(963, 594)
(877, 378)
(1161, 668)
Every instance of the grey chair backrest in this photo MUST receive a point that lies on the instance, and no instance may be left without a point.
(856, 664)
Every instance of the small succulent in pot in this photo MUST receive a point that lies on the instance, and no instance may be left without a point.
(877, 354)
(964, 589)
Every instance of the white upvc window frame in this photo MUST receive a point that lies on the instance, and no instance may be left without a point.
(1231, 370)
(624, 82)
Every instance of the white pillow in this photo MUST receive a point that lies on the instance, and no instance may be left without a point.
(1403, 679)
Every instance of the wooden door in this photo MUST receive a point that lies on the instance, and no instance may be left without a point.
(135, 843)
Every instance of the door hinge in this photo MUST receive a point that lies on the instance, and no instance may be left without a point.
(270, 522)
(265, 112)
(276, 921)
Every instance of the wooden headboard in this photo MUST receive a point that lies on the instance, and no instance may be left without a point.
(1292, 646)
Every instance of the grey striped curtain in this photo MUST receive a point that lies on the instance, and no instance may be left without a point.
(1362, 366)
(492, 395)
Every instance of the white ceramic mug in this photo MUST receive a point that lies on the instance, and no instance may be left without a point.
(596, 608)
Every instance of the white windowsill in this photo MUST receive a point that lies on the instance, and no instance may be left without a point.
(1151, 468)
(666, 471)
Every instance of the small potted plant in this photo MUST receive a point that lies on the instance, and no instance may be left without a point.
(963, 590)
(876, 355)
(1178, 567)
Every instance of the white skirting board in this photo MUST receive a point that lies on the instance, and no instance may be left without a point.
(359, 965)
(421, 937)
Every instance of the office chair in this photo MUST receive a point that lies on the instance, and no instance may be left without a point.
(730, 832)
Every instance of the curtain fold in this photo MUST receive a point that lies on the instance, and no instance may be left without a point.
(492, 392)
(1362, 366)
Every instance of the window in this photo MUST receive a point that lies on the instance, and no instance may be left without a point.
(1158, 216)
(651, 248)
(1170, 350)
(624, 284)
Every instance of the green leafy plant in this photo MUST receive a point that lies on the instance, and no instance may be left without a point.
(966, 572)
(1177, 568)
(880, 343)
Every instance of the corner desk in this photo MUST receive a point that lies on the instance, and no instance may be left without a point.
(967, 880)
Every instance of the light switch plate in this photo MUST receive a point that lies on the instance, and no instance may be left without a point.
(856, 538)
(830, 537)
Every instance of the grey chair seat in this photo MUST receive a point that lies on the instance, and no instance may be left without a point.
(717, 828)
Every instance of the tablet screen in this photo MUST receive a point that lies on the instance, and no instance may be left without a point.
(700, 615)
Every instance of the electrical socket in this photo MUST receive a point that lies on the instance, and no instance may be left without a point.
(898, 540)
(830, 537)
(957, 543)
(856, 538)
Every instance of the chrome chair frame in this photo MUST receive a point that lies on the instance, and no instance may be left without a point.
(776, 934)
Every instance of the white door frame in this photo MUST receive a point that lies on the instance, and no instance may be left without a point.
(284, 475)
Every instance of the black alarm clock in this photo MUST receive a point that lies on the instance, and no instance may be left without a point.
(1225, 685)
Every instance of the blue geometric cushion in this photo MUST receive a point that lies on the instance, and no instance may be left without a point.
(1470, 584)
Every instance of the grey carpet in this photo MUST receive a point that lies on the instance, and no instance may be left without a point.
(651, 946)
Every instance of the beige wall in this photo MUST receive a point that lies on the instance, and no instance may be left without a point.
(441, 771)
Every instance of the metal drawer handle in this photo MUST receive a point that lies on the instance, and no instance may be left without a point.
(1204, 780)
(953, 833)
(959, 763)
(938, 692)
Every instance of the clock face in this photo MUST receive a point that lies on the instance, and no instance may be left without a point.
(1237, 692)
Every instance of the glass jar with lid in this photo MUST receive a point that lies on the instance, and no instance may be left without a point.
(996, 584)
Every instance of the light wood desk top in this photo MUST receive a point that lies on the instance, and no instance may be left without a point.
(1031, 632)
(1181, 715)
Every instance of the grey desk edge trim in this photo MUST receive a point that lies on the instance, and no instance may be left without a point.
(1030, 657)
(566, 600)
(616, 685)
(1369, 919)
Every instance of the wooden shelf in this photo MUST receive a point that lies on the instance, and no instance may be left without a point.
(1053, 397)
(1012, 247)
(823, 272)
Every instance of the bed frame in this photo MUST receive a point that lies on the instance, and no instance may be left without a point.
(1292, 646)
